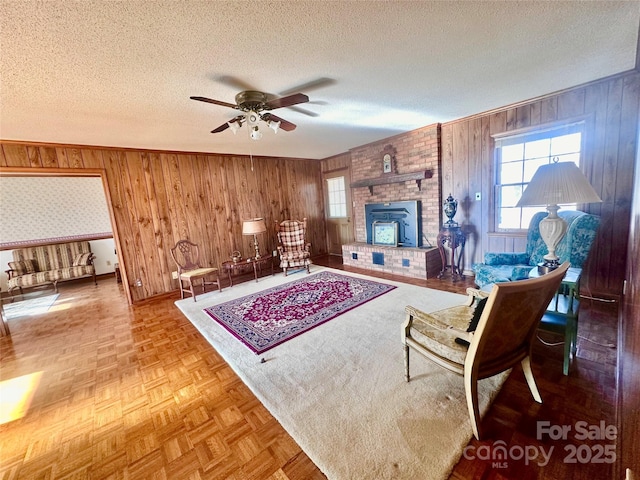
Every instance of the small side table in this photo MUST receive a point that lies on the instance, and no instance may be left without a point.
(454, 238)
(246, 265)
(562, 313)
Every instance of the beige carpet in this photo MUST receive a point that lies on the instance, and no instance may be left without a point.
(339, 389)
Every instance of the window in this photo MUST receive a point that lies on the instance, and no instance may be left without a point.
(337, 197)
(517, 159)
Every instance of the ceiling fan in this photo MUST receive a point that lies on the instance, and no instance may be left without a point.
(255, 107)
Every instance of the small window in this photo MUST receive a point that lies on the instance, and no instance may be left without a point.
(337, 197)
(517, 159)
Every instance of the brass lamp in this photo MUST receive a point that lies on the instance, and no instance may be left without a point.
(551, 185)
(253, 227)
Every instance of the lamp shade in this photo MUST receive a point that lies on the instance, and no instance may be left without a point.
(558, 183)
(253, 226)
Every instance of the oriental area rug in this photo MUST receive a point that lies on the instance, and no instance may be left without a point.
(270, 317)
(339, 389)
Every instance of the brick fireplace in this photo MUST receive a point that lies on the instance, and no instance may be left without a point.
(398, 169)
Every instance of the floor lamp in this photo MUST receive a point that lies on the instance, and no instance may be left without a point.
(551, 185)
(254, 227)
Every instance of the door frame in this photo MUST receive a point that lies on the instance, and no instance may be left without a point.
(79, 172)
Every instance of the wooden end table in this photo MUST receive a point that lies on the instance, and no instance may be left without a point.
(246, 265)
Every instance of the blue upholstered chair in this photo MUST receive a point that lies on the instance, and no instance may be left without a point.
(574, 248)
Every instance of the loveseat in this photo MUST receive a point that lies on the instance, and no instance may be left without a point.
(50, 264)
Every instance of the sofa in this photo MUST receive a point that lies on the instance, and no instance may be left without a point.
(50, 264)
(574, 248)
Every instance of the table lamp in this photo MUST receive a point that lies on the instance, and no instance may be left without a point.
(551, 185)
(253, 227)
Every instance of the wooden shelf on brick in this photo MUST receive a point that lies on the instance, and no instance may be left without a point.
(399, 178)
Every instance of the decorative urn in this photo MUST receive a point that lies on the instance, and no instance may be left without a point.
(450, 208)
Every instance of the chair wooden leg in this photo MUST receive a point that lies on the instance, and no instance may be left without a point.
(471, 391)
(406, 363)
(193, 293)
(528, 375)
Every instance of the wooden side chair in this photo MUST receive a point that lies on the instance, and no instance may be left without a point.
(292, 246)
(502, 338)
(190, 273)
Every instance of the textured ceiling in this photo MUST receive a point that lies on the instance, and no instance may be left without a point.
(121, 73)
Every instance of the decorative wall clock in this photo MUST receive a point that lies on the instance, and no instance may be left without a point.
(388, 159)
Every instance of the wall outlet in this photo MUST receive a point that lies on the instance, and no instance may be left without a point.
(108, 263)
(478, 196)
(174, 275)
(275, 253)
(138, 282)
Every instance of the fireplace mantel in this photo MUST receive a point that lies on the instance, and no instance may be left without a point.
(399, 178)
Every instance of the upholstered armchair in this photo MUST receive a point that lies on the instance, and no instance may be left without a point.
(292, 246)
(574, 248)
(480, 342)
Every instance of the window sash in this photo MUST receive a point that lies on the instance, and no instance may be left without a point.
(520, 167)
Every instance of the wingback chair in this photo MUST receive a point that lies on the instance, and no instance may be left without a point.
(574, 248)
(503, 336)
(293, 248)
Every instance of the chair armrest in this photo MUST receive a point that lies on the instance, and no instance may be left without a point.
(307, 247)
(506, 258)
(280, 249)
(91, 259)
(10, 273)
(476, 293)
(413, 312)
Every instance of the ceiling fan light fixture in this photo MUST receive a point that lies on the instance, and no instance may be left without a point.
(234, 126)
(252, 117)
(255, 133)
(274, 126)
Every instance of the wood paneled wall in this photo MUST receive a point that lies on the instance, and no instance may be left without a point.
(610, 108)
(160, 197)
(629, 346)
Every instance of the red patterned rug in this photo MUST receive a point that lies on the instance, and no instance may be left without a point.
(268, 318)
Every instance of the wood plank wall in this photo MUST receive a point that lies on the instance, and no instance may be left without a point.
(160, 197)
(629, 346)
(610, 108)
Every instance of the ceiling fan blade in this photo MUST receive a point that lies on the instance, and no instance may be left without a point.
(215, 102)
(234, 82)
(294, 99)
(221, 128)
(284, 124)
(305, 87)
(304, 111)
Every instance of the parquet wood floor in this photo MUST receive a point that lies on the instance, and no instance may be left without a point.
(135, 392)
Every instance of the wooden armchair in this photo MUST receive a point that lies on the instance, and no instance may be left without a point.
(503, 337)
(187, 257)
(293, 249)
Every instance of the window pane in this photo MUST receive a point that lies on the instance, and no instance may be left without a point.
(531, 166)
(513, 152)
(565, 144)
(337, 197)
(511, 172)
(510, 195)
(509, 218)
(538, 148)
